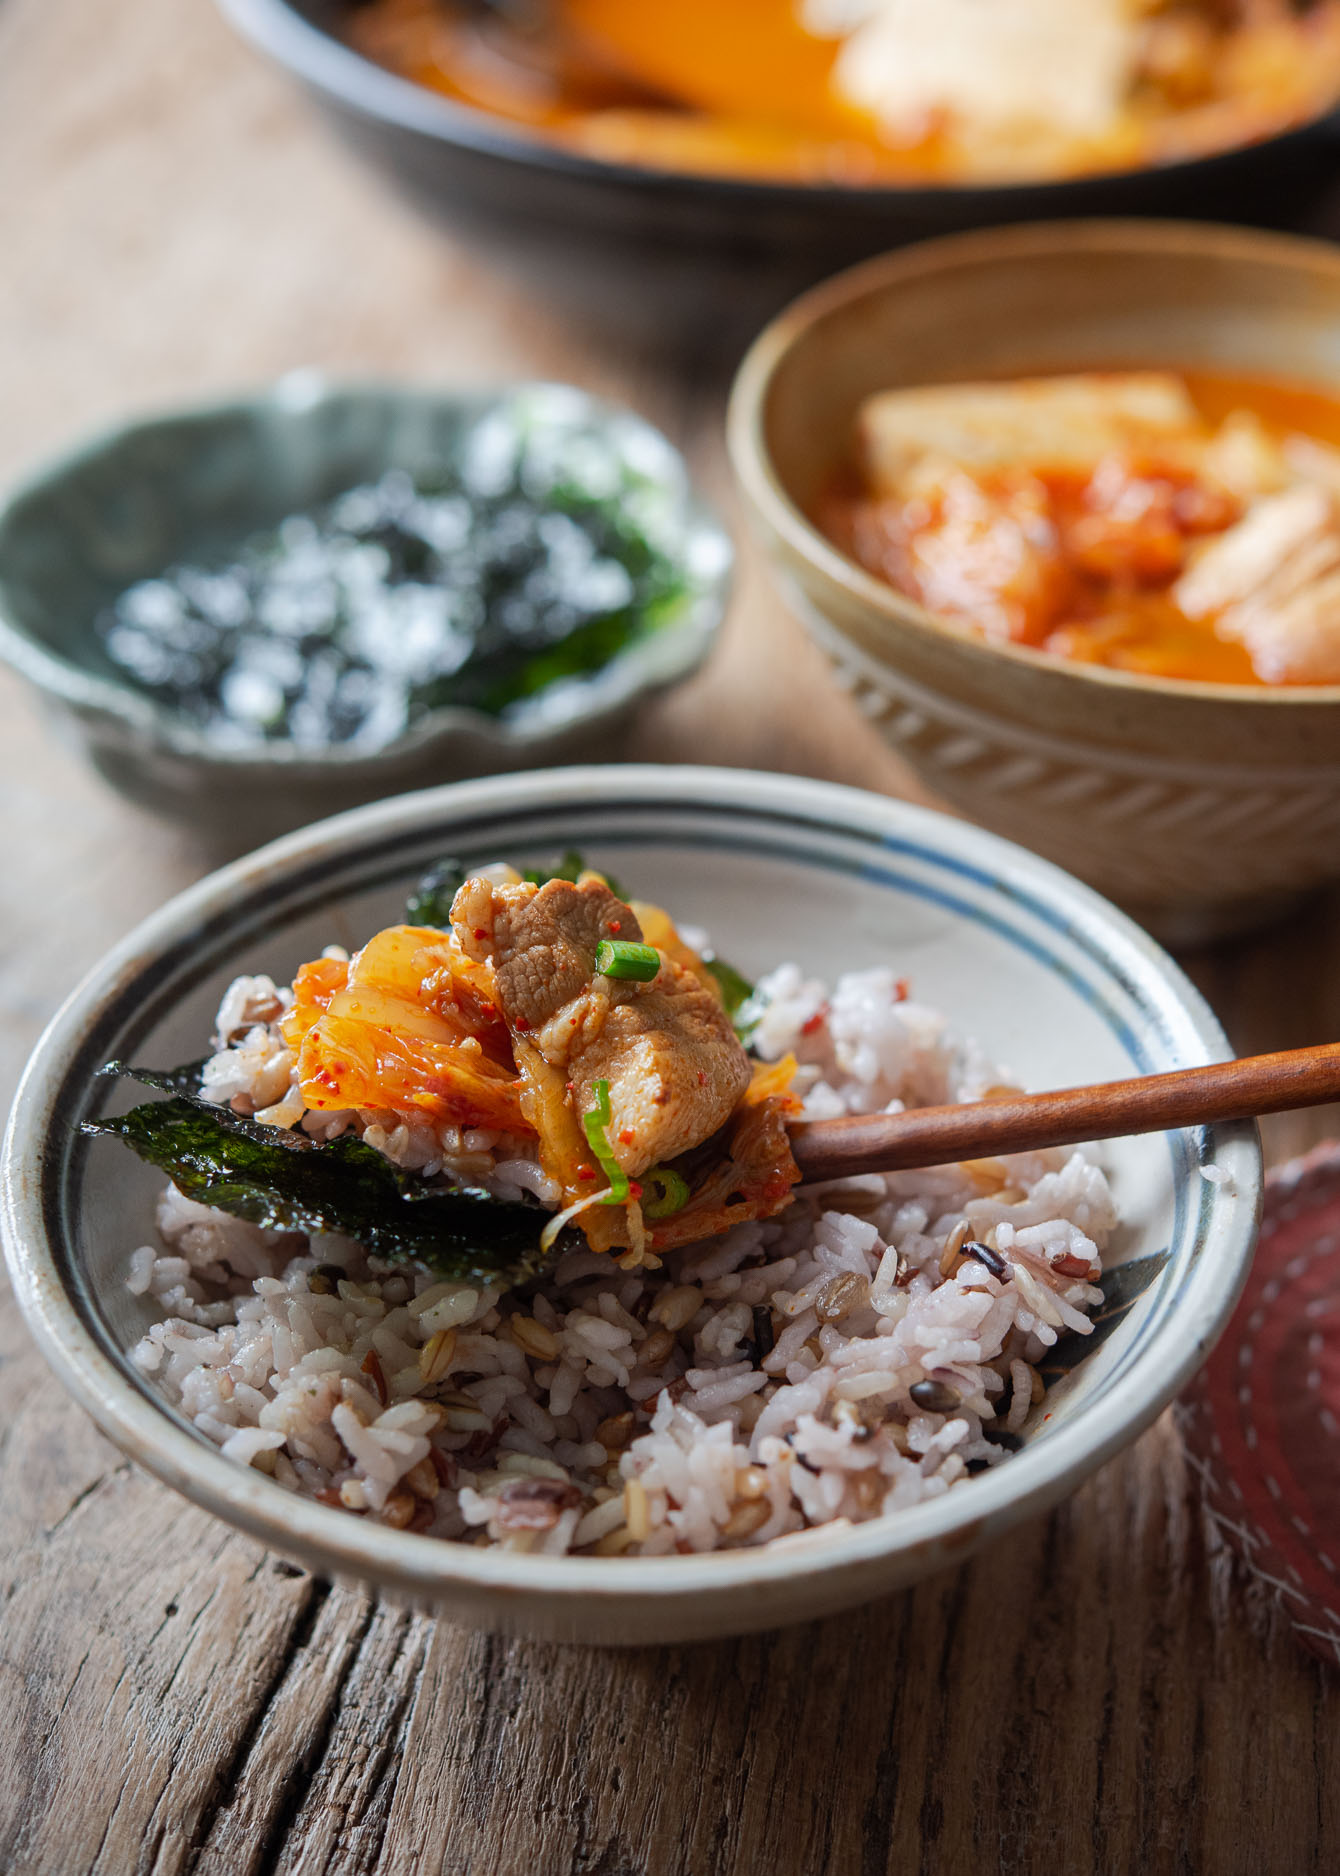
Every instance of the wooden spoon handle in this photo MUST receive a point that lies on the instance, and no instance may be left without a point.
(1189, 1097)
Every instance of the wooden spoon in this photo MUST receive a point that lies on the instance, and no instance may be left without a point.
(1019, 1123)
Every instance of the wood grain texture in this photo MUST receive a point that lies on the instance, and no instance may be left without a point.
(1101, 1692)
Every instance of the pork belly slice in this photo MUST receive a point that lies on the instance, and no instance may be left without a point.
(1273, 579)
(674, 1064)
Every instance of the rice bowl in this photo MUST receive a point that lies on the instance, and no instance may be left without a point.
(905, 892)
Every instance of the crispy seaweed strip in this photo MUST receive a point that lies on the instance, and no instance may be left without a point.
(430, 901)
(737, 996)
(184, 1080)
(274, 1177)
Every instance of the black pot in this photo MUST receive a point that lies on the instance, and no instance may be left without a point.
(702, 260)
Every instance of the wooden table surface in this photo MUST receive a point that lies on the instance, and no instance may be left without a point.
(1101, 1691)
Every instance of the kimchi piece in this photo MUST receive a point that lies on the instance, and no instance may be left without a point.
(407, 1025)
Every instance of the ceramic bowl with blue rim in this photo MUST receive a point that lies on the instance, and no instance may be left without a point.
(160, 511)
(1046, 975)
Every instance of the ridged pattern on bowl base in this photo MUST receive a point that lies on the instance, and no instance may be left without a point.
(1148, 833)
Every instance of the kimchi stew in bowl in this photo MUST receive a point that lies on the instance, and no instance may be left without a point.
(1172, 524)
(876, 93)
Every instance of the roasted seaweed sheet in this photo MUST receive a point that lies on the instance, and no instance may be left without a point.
(278, 1178)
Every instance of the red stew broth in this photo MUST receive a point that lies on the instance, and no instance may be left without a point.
(1105, 599)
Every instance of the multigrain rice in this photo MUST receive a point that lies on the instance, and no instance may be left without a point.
(843, 1360)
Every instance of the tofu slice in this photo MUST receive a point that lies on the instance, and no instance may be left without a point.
(1066, 64)
(1028, 423)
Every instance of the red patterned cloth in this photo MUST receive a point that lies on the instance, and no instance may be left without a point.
(1262, 1420)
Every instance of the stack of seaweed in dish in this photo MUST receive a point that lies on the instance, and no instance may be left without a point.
(491, 1231)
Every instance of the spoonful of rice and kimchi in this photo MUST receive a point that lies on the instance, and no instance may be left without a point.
(535, 1054)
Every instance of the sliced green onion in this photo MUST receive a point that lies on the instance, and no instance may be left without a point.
(594, 1124)
(667, 1192)
(616, 957)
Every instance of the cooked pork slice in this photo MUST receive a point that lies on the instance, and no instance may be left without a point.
(1295, 640)
(673, 1062)
(747, 1172)
(1274, 582)
(1042, 424)
(1249, 556)
(1312, 461)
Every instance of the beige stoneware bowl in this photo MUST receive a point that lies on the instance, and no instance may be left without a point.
(1056, 984)
(1203, 808)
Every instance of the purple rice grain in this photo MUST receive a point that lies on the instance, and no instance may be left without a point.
(764, 1338)
(933, 1397)
(993, 1260)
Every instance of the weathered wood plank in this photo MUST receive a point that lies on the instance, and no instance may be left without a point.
(341, 1823)
(139, 1636)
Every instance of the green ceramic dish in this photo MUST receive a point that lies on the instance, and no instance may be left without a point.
(190, 487)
